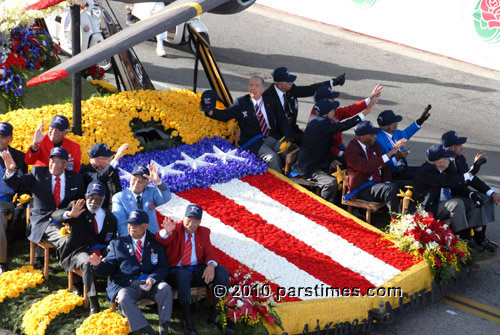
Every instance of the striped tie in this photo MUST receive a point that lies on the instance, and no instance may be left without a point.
(188, 250)
(138, 251)
(57, 191)
(262, 120)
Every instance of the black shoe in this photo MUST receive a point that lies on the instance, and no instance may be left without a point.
(495, 244)
(78, 289)
(474, 245)
(94, 311)
(39, 265)
(488, 246)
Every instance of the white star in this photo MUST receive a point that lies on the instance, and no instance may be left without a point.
(225, 156)
(164, 170)
(194, 163)
(124, 174)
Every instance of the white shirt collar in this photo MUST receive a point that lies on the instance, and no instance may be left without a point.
(280, 92)
(143, 240)
(256, 102)
(362, 145)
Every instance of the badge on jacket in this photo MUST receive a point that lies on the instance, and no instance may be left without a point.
(151, 207)
(245, 113)
(154, 257)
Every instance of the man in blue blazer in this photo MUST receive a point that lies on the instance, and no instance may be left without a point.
(140, 196)
(137, 267)
(388, 122)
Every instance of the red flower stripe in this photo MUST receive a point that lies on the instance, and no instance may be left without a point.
(43, 4)
(276, 240)
(363, 238)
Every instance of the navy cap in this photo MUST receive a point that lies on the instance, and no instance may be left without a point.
(325, 106)
(59, 152)
(451, 138)
(138, 217)
(325, 92)
(194, 211)
(5, 129)
(388, 117)
(139, 169)
(96, 187)
(366, 128)
(282, 74)
(438, 151)
(100, 150)
(208, 100)
(60, 122)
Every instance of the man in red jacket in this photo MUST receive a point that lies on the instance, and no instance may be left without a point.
(38, 153)
(193, 261)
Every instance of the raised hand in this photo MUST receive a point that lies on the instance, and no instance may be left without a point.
(153, 177)
(168, 224)
(121, 151)
(400, 143)
(78, 208)
(38, 136)
(480, 155)
(377, 91)
(340, 80)
(10, 165)
(94, 260)
(425, 115)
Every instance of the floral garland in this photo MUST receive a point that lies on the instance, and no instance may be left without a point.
(202, 176)
(12, 283)
(108, 119)
(424, 237)
(40, 314)
(104, 323)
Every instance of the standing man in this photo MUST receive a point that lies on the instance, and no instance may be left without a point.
(286, 92)
(6, 193)
(193, 261)
(264, 129)
(140, 196)
(103, 168)
(137, 268)
(53, 187)
(92, 228)
(369, 175)
(41, 145)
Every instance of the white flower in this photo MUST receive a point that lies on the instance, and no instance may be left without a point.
(239, 304)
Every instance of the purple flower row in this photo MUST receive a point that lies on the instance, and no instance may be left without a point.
(203, 176)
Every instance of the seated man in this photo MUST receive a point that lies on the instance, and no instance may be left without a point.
(264, 129)
(193, 261)
(433, 190)
(52, 187)
(388, 122)
(92, 228)
(458, 165)
(369, 176)
(140, 196)
(316, 145)
(103, 168)
(38, 153)
(6, 193)
(137, 266)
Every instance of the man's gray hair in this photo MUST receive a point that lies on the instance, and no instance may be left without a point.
(257, 77)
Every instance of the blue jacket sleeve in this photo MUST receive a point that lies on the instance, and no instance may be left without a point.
(407, 133)
(121, 215)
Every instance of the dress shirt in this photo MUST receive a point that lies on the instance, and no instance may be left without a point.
(393, 159)
(263, 109)
(63, 184)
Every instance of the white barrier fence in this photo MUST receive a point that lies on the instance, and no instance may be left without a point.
(467, 30)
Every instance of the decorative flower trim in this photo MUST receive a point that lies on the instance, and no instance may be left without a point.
(104, 323)
(12, 283)
(38, 317)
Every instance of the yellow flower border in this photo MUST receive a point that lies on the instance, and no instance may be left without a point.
(12, 283)
(104, 323)
(107, 119)
(40, 314)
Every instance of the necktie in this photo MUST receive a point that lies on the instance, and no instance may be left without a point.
(57, 191)
(262, 120)
(375, 174)
(139, 202)
(447, 193)
(96, 227)
(286, 106)
(188, 250)
(138, 251)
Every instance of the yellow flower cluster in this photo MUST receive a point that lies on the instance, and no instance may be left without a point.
(104, 85)
(14, 282)
(38, 317)
(107, 119)
(104, 323)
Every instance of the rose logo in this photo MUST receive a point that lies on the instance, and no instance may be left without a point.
(487, 20)
(364, 3)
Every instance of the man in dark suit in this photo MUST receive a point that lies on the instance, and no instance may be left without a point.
(92, 228)
(103, 168)
(264, 129)
(6, 193)
(458, 165)
(286, 92)
(433, 189)
(193, 261)
(369, 176)
(137, 266)
(52, 187)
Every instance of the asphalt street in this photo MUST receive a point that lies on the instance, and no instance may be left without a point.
(464, 98)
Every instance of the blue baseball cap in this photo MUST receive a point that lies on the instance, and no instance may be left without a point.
(59, 152)
(438, 151)
(208, 100)
(6, 129)
(366, 128)
(100, 150)
(194, 211)
(282, 74)
(388, 117)
(451, 138)
(138, 217)
(141, 170)
(60, 122)
(96, 188)
(325, 106)
(325, 92)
